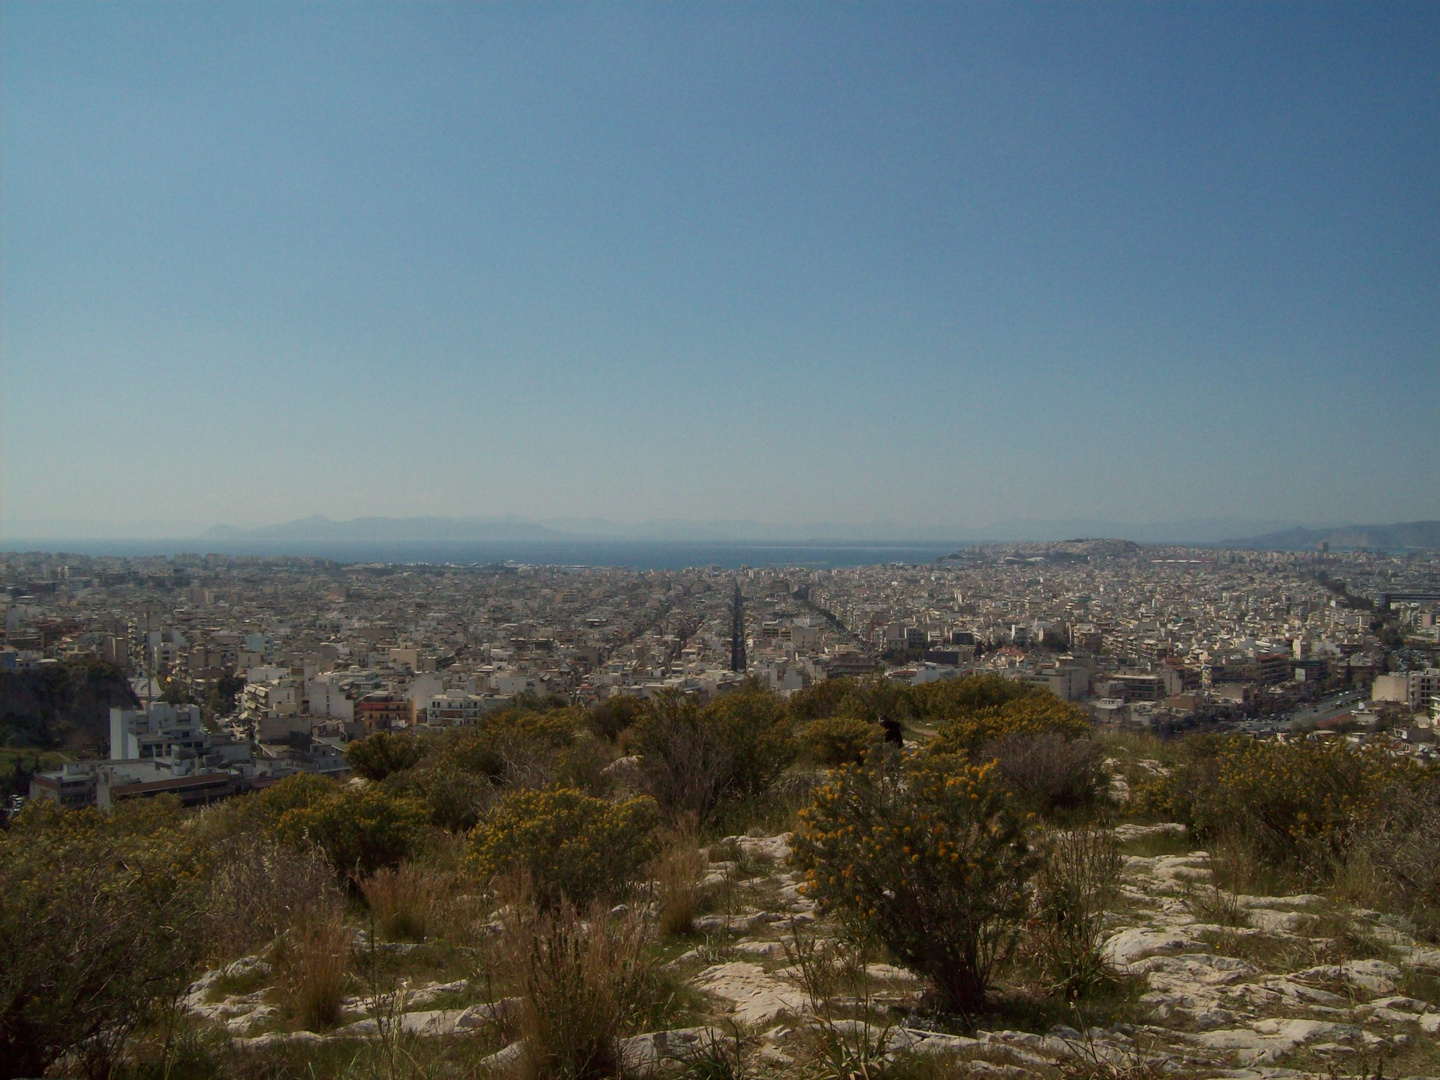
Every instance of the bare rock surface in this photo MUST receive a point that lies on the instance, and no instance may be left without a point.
(755, 995)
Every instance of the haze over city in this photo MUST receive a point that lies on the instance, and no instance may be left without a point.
(906, 270)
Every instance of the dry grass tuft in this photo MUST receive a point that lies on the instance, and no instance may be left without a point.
(405, 899)
(312, 959)
(583, 981)
(258, 888)
(678, 873)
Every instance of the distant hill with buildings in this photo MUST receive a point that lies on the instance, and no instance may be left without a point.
(1410, 534)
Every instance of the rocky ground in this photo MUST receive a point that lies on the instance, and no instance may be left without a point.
(1209, 983)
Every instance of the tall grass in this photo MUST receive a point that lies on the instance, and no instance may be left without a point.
(258, 888)
(405, 899)
(312, 959)
(1077, 880)
(678, 873)
(583, 981)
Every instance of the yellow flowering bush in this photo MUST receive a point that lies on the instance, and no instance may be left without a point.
(571, 845)
(926, 854)
(840, 740)
(1296, 803)
(359, 830)
(1037, 713)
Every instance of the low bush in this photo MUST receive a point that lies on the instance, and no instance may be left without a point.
(614, 715)
(840, 740)
(948, 700)
(926, 855)
(514, 748)
(1048, 771)
(695, 758)
(258, 888)
(359, 830)
(1296, 804)
(262, 810)
(97, 920)
(572, 846)
(455, 798)
(1036, 713)
(870, 699)
(377, 756)
(1399, 851)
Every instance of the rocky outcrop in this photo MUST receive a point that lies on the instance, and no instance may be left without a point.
(62, 705)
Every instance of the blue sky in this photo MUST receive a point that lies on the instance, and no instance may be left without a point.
(937, 265)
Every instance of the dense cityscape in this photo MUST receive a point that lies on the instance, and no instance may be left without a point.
(275, 664)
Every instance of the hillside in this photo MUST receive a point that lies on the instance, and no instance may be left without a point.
(61, 705)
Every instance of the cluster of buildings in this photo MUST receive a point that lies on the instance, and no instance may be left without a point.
(286, 659)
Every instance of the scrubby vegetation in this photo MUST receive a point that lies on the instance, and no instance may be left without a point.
(927, 855)
(1313, 813)
(548, 885)
(573, 847)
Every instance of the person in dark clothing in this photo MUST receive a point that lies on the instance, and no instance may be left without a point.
(893, 734)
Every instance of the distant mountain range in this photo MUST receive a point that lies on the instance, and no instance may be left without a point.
(1284, 536)
(390, 530)
(1409, 534)
(452, 529)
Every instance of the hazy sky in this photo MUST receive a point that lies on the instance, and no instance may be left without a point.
(932, 264)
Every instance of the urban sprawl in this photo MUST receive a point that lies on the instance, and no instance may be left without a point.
(239, 670)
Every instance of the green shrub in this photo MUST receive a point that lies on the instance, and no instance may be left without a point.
(97, 920)
(1297, 804)
(377, 756)
(868, 699)
(840, 740)
(1035, 712)
(571, 845)
(359, 830)
(925, 854)
(696, 758)
(614, 715)
(260, 811)
(454, 797)
(514, 747)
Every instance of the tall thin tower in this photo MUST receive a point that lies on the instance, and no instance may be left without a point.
(737, 632)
